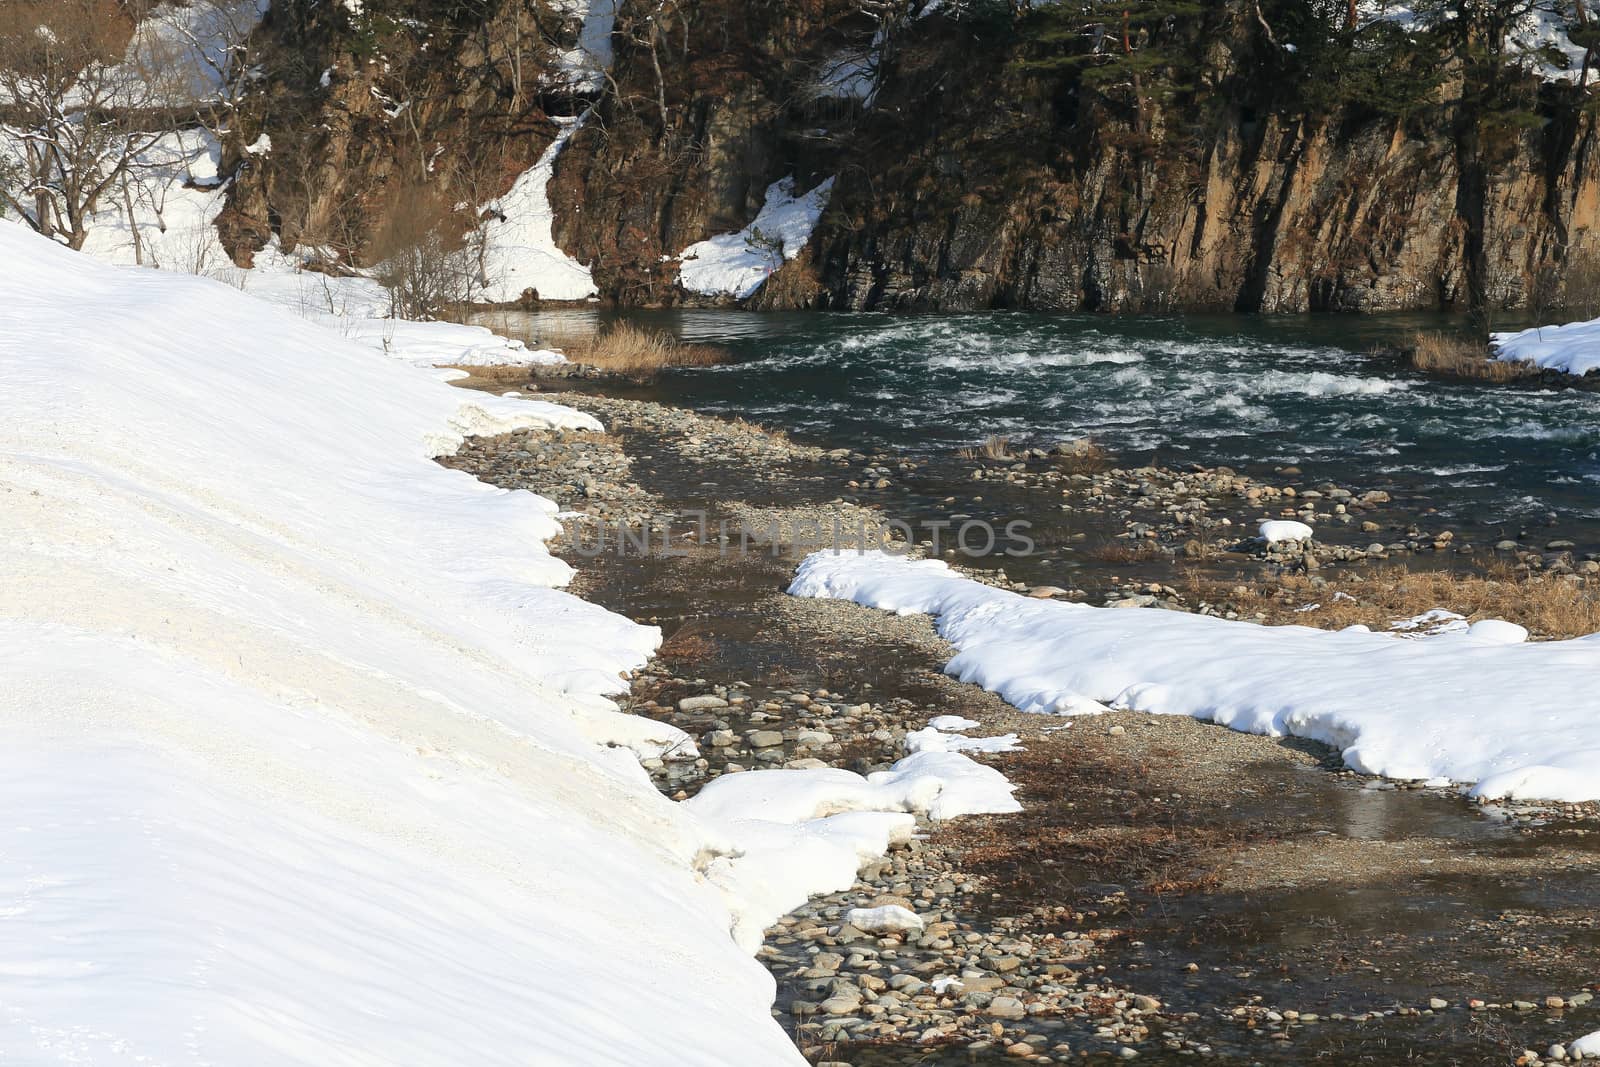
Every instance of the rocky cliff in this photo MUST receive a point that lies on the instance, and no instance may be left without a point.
(968, 173)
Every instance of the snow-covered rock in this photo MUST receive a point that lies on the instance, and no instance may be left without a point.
(888, 919)
(519, 245)
(1274, 530)
(1588, 1045)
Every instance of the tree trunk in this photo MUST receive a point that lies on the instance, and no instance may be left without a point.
(41, 212)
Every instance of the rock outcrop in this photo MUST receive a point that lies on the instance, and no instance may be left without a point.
(966, 182)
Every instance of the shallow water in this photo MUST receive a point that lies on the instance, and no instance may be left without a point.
(1252, 392)
(1373, 940)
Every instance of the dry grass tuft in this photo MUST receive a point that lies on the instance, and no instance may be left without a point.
(1457, 357)
(1550, 606)
(693, 642)
(1081, 456)
(994, 447)
(624, 348)
(1126, 550)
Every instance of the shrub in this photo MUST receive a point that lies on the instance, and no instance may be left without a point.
(1457, 357)
(624, 348)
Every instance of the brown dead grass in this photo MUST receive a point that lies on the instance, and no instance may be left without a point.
(693, 642)
(1082, 456)
(1550, 606)
(777, 435)
(624, 348)
(1458, 357)
(995, 447)
(1125, 550)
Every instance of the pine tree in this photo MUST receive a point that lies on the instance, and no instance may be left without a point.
(1131, 45)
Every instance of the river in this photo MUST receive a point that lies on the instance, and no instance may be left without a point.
(1254, 392)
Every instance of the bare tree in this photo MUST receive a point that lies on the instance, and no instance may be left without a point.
(82, 97)
(211, 42)
(421, 259)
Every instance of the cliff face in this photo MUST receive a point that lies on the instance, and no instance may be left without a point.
(967, 182)
(1220, 204)
(405, 116)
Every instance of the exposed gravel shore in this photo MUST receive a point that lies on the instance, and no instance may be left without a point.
(1172, 889)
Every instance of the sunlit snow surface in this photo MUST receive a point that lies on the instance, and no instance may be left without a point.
(1573, 348)
(300, 760)
(1479, 705)
(520, 250)
(737, 264)
(308, 759)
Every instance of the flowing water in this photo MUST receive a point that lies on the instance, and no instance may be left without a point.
(1256, 393)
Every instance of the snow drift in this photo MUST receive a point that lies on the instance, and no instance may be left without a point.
(1481, 705)
(1570, 349)
(306, 760)
(737, 264)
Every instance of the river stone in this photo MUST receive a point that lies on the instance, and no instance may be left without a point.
(764, 738)
(841, 1005)
(1007, 1008)
(701, 703)
(982, 983)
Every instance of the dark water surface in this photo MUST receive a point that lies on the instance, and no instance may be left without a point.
(1254, 392)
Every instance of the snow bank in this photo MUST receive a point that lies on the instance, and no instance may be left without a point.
(931, 739)
(307, 761)
(357, 307)
(520, 250)
(737, 264)
(791, 834)
(1519, 719)
(1586, 1046)
(1571, 349)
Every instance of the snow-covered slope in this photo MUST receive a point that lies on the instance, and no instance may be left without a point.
(300, 760)
(1518, 719)
(519, 246)
(308, 760)
(737, 264)
(1571, 349)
